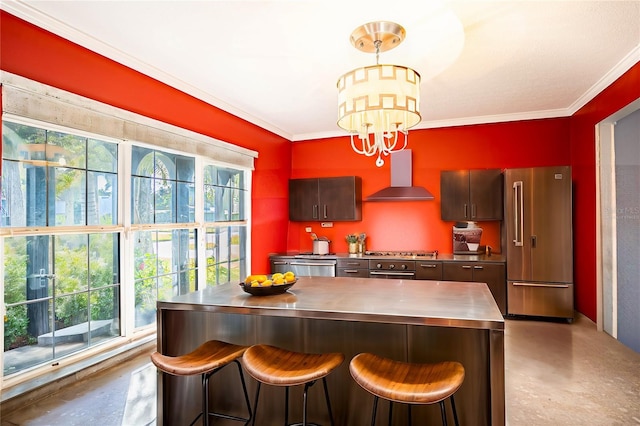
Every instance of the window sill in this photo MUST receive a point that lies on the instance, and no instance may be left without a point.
(20, 392)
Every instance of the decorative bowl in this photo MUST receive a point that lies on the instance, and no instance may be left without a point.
(267, 291)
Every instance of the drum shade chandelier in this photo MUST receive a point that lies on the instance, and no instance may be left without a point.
(378, 103)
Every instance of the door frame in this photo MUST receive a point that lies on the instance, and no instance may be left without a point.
(606, 253)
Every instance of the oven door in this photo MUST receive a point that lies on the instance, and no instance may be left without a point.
(395, 275)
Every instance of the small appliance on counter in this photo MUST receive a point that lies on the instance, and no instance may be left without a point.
(321, 245)
(466, 238)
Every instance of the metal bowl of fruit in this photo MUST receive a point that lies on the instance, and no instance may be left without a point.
(267, 285)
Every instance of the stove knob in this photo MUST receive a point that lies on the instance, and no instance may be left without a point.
(392, 266)
(403, 266)
(378, 265)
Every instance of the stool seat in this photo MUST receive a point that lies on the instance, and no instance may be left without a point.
(205, 358)
(280, 367)
(406, 382)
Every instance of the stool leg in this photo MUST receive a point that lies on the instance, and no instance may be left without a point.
(205, 399)
(390, 411)
(206, 377)
(244, 388)
(409, 405)
(304, 402)
(326, 396)
(375, 408)
(443, 411)
(286, 406)
(255, 405)
(455, 414)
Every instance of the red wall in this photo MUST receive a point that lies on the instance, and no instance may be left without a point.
(583, 159)
(34, 53)
(416, 225)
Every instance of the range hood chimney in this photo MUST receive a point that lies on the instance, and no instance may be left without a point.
(401, 188)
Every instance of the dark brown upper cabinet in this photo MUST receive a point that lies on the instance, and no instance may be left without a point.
(471, 195)
(325, 199)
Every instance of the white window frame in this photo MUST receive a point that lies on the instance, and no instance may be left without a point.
(27, 101)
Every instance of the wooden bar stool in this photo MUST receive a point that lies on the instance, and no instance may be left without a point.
(207, 359)
(279, 367)
(407, 383)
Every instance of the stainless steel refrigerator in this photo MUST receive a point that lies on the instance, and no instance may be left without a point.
(539, 242)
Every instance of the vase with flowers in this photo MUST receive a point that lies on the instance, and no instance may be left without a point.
(352, 243)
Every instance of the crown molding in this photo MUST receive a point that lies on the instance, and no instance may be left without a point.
(615, 73)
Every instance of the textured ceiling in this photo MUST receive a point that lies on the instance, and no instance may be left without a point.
(276, 63)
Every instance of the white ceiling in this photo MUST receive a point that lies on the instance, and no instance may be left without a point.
(276, 63)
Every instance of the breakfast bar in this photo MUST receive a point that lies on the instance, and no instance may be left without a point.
(406, 320)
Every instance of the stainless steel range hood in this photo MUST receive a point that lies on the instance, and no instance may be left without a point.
(401, 188)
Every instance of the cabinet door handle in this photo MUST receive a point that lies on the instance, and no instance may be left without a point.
(350, 271)
(465, 211)
(478, 267)
(324, 210)
(428, 266)
(315, 211)
(353, 263)
(541, 285)
(280, 262)
(473, 210)
(466, 266)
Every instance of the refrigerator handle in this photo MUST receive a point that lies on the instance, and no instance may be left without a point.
(517, 215)
(534, 240)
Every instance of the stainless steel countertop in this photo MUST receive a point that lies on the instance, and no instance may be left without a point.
(415, 302)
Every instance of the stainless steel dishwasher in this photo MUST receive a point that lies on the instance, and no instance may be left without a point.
(305, 266)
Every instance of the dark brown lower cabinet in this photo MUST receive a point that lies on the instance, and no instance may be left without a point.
(426, 270)
(493, 274)
(348, 267)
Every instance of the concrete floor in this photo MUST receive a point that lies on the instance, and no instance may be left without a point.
(556, 374)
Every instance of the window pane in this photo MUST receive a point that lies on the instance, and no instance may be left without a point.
(20, 348)
(210, 175)
(17, 140)
(163, 245)
(209, 203)
(15, 269)
(142, 200)
(186, 168)
(142, 161)
(167, 286)
(224, 206)
(165, 166)
(165, 195)
(24, 194)
(102, 156)
(145, 305)
(103, 260)
(71, 264)
(105, 310)
(66, 150)
(225, 252)
(68, 191)
(186, 202)
(146, 259)
(71, 324)
(102, 198)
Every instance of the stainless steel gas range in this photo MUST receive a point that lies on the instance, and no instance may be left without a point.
(396, 264)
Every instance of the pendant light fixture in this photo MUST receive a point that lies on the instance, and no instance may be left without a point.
(378, 104)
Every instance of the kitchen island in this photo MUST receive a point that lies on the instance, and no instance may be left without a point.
(408, 320)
